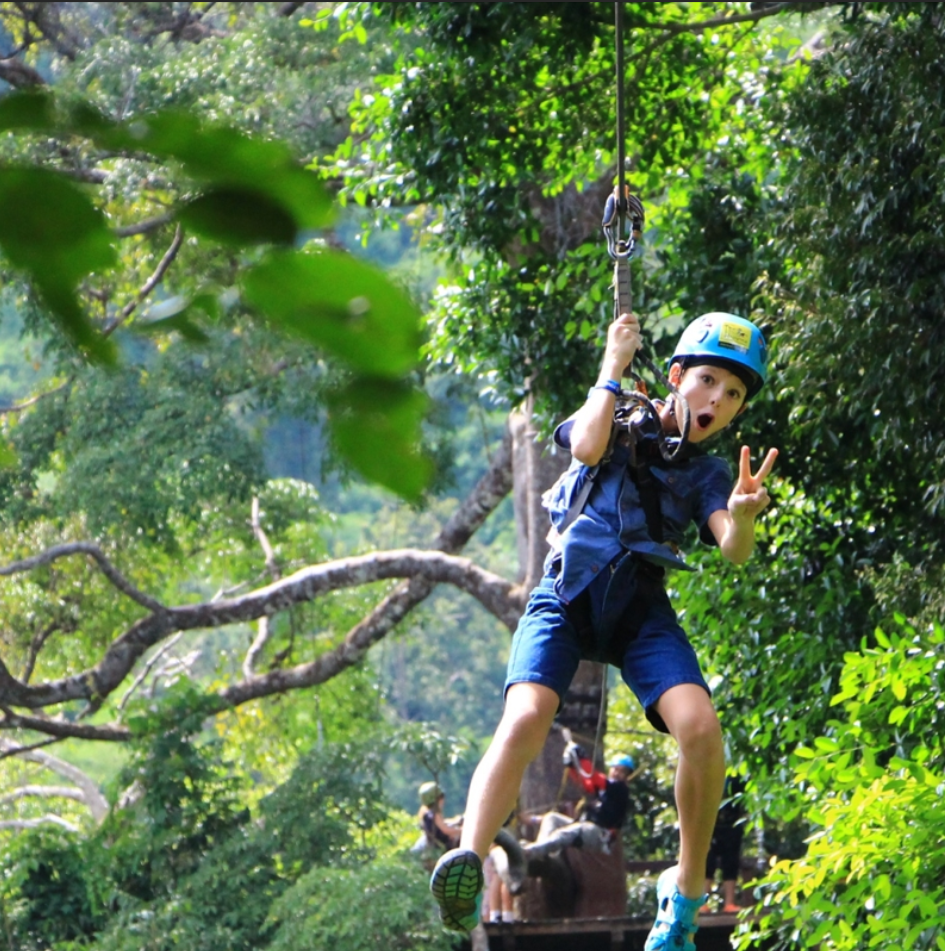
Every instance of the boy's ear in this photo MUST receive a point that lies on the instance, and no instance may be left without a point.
(675, 374)
(741, 409)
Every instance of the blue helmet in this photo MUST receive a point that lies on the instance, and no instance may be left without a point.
(727, 341)
(622, 759)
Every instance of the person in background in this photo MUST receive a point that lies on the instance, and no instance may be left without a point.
(725, 852)
(437, 834)
(603, 815)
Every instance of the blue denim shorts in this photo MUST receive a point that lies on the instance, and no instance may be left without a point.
(635, 628)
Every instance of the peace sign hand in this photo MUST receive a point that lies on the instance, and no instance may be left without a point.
(749, 497)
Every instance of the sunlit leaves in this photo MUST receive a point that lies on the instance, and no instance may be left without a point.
(875, 792)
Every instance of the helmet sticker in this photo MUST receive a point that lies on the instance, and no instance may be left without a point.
(734, 336)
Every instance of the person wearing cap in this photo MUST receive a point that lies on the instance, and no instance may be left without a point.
(603, 597)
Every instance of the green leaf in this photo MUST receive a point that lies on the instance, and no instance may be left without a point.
(179, 322)
(238, 217)
(48, 225)
(52, 231)
(226, 157)
(8, 456)
(376, 425)
(342, 304)
(32, 110)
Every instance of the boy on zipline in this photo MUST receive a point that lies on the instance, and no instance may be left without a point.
(603, 598)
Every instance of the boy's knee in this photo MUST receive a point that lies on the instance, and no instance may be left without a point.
(691, 718)
(524, 731)
(527, 719)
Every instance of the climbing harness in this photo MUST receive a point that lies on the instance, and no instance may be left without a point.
(622, 225)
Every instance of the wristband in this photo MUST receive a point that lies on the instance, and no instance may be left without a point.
(612, 386)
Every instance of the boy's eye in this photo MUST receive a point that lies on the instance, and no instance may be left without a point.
(735, 394)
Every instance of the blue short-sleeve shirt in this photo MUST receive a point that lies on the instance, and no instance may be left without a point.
(613, 519)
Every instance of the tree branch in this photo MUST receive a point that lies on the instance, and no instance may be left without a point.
(148, 667)
(33, 400)
(500, 597)
(45, 17)
(8, 749)
(262, 636)
(36, 823)
(143, 227)
(62, 729)
(488, 492)
(730, 20)
(149, 285)
(44, 792)
(94, 552)
(425, 569)
(19, 75)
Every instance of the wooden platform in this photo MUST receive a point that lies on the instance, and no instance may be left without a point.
(600, 934)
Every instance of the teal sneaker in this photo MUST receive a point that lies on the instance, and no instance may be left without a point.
(456, 884)
(675, 916)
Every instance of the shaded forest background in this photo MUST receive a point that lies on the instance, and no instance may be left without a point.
(245, 785)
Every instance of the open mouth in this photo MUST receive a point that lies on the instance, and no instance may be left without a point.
(704, 420)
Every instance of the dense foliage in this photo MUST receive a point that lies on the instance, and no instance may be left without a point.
(797, 188)
(185, 863)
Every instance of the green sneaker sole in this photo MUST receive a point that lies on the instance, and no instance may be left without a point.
(456, 885)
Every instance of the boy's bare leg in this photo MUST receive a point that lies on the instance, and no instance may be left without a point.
(700, 777)
(526, 720)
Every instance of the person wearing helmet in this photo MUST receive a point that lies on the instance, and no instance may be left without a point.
(437, 833)
(621, 513)
(604, 813)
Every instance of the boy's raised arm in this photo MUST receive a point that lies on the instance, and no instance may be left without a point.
(734, 528)
(593, 421)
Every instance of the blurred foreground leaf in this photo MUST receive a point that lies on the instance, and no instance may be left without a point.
(376, 424)
(53, 232)
(339, 303)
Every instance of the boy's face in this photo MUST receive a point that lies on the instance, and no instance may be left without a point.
(619, 774)
(715, 397)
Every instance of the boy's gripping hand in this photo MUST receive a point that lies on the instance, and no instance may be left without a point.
(623, 341)
(749, 497)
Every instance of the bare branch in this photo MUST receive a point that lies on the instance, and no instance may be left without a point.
(19, 75)
(91, 795)
(44, 792)
(36, 823)
(148, 667)
(262, 635)
(8, 749)
(271, 565)
(144, 227)
(149, 285)
(93, 551)
(33, 400)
